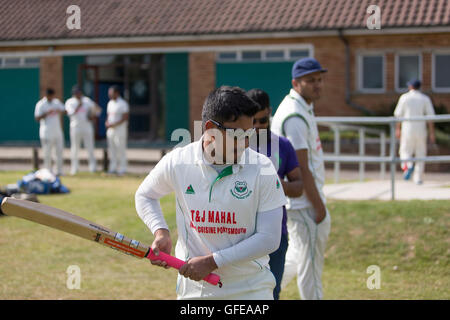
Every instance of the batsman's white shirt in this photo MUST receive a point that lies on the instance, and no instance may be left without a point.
(217, 211)
(80, 118)
(50, 126)
(294, 119)
(414, 104)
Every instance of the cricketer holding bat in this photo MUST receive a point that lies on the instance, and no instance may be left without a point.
(228, 204)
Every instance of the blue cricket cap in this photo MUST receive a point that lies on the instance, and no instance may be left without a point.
(415, 83)
(306, 66)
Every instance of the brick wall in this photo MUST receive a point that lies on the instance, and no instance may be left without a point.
(202, 79)
(51, 75)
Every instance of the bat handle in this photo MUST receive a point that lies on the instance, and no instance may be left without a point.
(176, 263)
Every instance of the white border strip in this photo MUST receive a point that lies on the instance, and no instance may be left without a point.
(156, 50)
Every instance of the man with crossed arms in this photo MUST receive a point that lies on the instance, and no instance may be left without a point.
(228, 204)
(308, 218)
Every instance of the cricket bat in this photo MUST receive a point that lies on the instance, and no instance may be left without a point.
(67, 222)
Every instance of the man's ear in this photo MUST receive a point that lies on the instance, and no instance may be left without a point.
(209, 125)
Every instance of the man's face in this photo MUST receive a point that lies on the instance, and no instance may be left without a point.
(230, 153)
(261, 120)
(309, 86)
(112, 94)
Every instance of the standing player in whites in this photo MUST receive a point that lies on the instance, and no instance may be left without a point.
(308, 218)
(48, 113)
(413, 134)
(282, 154)
(81, 111)
(117, 131)
(228, 204)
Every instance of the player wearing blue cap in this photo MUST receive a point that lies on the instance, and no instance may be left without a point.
(413, 134)
(308, 219)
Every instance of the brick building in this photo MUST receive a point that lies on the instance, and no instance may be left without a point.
(166, 55)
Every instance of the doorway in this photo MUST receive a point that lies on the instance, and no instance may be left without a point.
(139, 78)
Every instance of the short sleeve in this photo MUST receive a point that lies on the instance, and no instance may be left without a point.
(429, 110)
(59, 104)
(38, 109)
(296, 131)
(70, 106)
(125, 107)
(399, 109)
(271, 194)
(159, 181)
(291, 157)
(89, 103)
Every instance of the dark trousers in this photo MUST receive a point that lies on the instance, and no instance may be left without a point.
(276, 263)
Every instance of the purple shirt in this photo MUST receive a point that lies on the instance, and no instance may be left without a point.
(284, 159)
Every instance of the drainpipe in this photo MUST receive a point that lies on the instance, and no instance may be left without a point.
(348, 99)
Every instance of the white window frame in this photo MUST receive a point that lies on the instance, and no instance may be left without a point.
(397, 67)
(21, 65)
(433, 71)
(359, 67)
(286, 48)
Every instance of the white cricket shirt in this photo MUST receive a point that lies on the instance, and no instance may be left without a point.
(294, 119)
(50, 126)
(414, 104)
(115, 110)
(80, 118)
(216, 211)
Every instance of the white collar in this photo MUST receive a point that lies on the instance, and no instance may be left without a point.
(294, 94)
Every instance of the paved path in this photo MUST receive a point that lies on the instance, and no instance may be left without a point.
(141, 161)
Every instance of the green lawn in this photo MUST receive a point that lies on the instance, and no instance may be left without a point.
(409, 241)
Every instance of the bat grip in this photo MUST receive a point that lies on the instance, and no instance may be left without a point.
(176, 263)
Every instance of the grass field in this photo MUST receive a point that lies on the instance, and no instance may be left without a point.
(409, 241)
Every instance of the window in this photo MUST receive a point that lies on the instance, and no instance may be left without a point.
(408, 67)
(298, 54)
(19, 62)
(11, 62)
(251, 55)
(275, 55)
(441, 72)
(227, 56)
(270, 53)
(371, 73)
(31, 62)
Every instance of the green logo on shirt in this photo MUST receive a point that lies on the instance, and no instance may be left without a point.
(240, 190)
(190, 190)
(278, 184)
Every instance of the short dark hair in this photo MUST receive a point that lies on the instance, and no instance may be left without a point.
(49, 91)
(76, 89)
(260, 97)
(226, 104)
(115, 88)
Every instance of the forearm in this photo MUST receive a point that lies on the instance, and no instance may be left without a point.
(265, 240)
(293, 189)
(149, 210)
(311, 191)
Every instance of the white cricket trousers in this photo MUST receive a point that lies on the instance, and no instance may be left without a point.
(77, 136)
(305, 254)
(53, 143)
(414, 144)
(117, 149)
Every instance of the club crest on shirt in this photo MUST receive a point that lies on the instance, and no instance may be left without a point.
(240, 190)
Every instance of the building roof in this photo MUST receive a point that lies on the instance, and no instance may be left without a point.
(46, 19)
